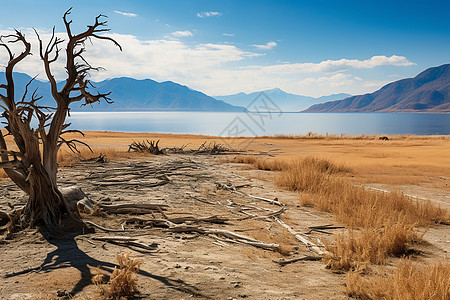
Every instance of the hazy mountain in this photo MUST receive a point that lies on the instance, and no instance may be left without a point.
(285, 101)
(427, 92)
(130, 95)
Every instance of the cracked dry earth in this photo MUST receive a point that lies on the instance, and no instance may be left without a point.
(183, 265)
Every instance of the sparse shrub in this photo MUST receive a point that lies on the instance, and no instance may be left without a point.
(122, 282)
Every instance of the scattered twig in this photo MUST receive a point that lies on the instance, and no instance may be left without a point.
(284, 262)
(104, 228)
(301, 237)
(130, 208)
(127, 241)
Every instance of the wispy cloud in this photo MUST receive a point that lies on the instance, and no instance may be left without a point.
(335, 80)
(228, 34)
(211, 67)
(330, 66)
(126, 14)
(184, 33)
(209, 14)
(268, 46)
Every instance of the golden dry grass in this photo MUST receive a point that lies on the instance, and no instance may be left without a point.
(353, 205)
(67, 157)
(408, 281)
(388, 220)
(123, 281)
(353, 250)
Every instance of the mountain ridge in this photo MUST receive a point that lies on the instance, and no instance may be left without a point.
(429, 91)
(286, 101)
(130, 94)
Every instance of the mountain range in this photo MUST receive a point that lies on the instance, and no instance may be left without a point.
(285, 101)
(427, 92)
(133, 95)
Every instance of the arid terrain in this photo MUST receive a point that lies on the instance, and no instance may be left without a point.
(181, 265)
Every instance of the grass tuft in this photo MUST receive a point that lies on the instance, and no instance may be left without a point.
(123, 282)
(353, 250)
(408, 281)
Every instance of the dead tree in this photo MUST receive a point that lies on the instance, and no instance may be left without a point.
(32, 169)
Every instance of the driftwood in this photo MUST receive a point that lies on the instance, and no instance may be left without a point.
(130, 208)
(284, 262)
(104, 228)
(151, 147)
(230, 236)
(322, 228)
(301, 237)
(234, 190)
(126, 241)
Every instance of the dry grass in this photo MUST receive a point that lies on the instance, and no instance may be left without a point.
(67, 158)
(352, 250)
(388, 220)
(353, 205)
(316, 136)
(408, 281)
(122, 282)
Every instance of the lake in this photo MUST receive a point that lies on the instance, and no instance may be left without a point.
(258, 124)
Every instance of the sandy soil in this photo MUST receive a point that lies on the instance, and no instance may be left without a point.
(188, 265)
(184, 265)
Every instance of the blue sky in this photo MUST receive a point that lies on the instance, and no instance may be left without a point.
(222, 47)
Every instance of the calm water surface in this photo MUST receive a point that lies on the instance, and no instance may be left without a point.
(253, 124)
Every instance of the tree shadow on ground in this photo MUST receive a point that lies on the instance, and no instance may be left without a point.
(68, 254)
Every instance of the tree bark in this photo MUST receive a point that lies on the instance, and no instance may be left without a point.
(45, 204)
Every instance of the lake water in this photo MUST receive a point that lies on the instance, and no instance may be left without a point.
(257, 124)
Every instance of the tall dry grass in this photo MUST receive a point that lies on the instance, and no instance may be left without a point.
(408, 281)
(387, 221)
(354, 249)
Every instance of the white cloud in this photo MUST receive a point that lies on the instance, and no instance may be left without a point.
(228, 34)
(209, 14)
(184, 33)
(210, 67)
(126, 14)
(335, 80)
(268, 46)
(330, 66)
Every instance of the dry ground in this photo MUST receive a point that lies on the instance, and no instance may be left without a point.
(186, 265)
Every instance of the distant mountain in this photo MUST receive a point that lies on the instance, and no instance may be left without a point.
(286, 101)
(134, 95)
(427, 92)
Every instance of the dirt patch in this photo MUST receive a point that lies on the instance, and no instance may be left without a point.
(182, 264)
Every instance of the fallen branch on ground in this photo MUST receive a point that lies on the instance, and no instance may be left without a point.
(234, 190)
(125, 241)
(104, 228)
(301, 237)
(231, 236)
(130, 208)
(284, 262)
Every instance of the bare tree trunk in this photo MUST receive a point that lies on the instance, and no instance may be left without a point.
(36, 175)
(45, 203)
